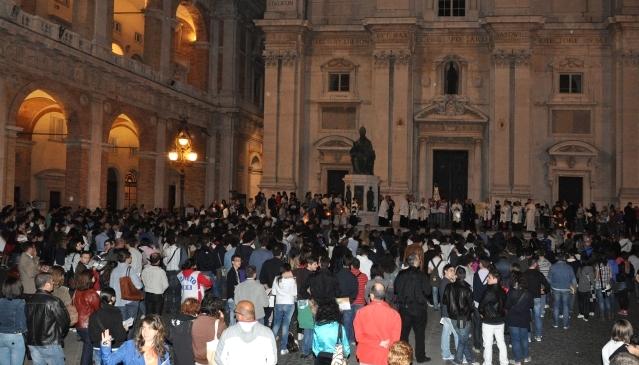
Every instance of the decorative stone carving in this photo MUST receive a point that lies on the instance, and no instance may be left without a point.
(339, 63)
(516, 57)
(287, 56)
(382, 58)
(629, 58)
(571, 62)
(451, 108)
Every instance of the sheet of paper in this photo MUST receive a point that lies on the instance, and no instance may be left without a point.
(344, 304)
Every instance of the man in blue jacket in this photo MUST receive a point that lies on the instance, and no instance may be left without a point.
(563, 282)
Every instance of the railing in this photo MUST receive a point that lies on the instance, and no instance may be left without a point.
(14, 14)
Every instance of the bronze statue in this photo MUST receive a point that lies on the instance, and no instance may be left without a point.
(362, 155)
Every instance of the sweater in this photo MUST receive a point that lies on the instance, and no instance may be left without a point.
(203, 331)
(154, 280)
(254, 292)
(246, 343)
(377, 326)
(561, 276)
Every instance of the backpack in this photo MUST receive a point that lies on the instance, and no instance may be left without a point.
(184, 255)
(435, 280)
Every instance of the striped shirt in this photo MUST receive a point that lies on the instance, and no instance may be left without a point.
(362, 279)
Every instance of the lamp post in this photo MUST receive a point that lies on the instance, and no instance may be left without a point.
(181, 156)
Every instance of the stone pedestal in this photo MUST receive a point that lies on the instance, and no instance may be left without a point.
(360, 185)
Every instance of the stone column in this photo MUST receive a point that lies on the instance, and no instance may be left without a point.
(627, 128)
(4, 109)
(102, 22)
(158, 36)
(77, 172)
(161, 149)
(83, 13)
(95, 153)
(227, 155)
(11, 134)
(381, 129)
(500, 128)
(402, 123)
(476, 171)
(423, 174)
(211, 184)
(229, 64)
(214, 41)
(146, 178)
(521, 123)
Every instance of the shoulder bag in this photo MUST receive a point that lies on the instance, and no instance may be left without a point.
(128, 291)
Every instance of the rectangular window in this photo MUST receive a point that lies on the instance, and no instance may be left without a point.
(117, 27)
(339, 82)
(570, 83)
(452, 8)
(571, 121)
(56, 129)
(339, 117)
(138, 37)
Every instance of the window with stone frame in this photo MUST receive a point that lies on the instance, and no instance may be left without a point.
(340, 78)
(570, 83)
(451, 78)
(451, 8)
(130, 189)
(339, 82)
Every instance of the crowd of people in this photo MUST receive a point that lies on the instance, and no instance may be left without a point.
(248, 284)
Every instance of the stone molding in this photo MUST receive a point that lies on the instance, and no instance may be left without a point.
(628, 58)
(504, 58)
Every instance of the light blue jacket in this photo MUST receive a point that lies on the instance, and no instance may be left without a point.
(325, 338)
(127, 354)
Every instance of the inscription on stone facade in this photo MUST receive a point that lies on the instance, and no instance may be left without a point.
(474, 38)
(281, 5)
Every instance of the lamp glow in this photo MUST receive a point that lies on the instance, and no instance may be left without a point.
(192, 156)
(183, 141)
(173, 156)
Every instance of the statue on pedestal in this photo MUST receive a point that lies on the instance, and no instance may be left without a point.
(362, 155)
(370, 199)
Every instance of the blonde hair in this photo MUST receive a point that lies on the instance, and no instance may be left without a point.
(400, 353)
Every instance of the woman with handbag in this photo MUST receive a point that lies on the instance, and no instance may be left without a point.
(284, 289)
(147, 348)
(127, 285)
(207, 328)
(330, 343)
(86, 301)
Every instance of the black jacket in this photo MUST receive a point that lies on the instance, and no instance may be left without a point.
(107, 317)
(206, 259)
(47, 320)
(518, 304)
(347, 283)
(412, 289)
(270, 270)
(458, 299)
(323, 285)
(491, 306)
(536, 280)
(179, 335)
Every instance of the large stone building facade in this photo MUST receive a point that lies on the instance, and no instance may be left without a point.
(487, 99)
(93, 92)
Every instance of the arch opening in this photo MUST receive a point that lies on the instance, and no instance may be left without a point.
(123, 156)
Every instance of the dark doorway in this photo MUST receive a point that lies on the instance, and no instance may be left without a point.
(571, 189)
(171, 197)
(55, 199)
(17, 199)
(450, 174)
(112, 189)
(335, 181)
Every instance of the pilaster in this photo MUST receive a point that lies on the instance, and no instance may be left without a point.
(227, 154)
(158, 39)
(95, 153)
(159, 198)
(11, 134)
(211, 185)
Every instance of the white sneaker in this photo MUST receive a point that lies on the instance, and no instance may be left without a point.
(580, 316)
(283, 352)
(591, 314)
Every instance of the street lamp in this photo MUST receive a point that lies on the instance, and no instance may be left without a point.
(181, 156)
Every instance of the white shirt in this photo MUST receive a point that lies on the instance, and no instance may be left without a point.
(403, 208)
(608, 349)
(383, 208)
(171, 262)
(434, 262)
(365, 265)
(284, 290)
(154, 279)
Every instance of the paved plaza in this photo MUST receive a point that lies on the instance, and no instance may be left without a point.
(581, 344)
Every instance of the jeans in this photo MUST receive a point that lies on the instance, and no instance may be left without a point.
(415, 320)
(464, 345)
(282, 319)
(173, 294)
(347, 319)
(47, 355)
(585, 306)
(538, 310)
(496, 331)
(130, 310)
(605, 302)
(230, 308)
(519, 337)
(307, 344)
(447, 330)
(561, 303)
(12, 348)
(87, 347)
(435, 294)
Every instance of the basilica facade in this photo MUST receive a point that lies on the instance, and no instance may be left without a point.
(484, 99)
(93, 93)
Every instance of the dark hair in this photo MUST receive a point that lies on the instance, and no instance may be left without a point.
(495, 273)
(155, 321)
(460, 271)
(188, 264)
(155, 259)
(327, 312)
(621, 331)
(42, 279)
(12, 288)
(248, 236)
(57, 276)
(123, 254)
(518, 280)
(355, 264)
(107, 295)
(235, 257)
(83, 280)
(250, 271)
(277, 250)
(448, 266)
(212, 305)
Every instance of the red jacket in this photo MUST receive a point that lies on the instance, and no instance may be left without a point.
(86, 302)
(377, 327)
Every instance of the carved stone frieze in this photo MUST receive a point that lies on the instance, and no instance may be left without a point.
(272, 56)
(504, 58)
(382, 58)
(571, 62)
